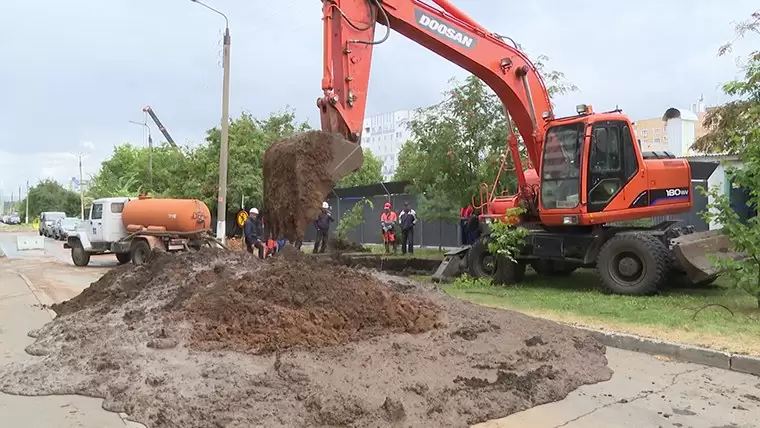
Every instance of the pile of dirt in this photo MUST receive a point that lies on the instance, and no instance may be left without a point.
(219, 338)
(342, 245)
(296, 182)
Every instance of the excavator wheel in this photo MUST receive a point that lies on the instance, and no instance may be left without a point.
(480, 262)
(552, 267)
(508, 272)
(633, 263)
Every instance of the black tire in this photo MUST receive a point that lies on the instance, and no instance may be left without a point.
(552, 267)
(646, 269)
(79, 256)
(480, 262)
(123, 257)
(140, 252)
(508, 272)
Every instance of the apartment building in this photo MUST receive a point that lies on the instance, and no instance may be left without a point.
(653, 132)
(384, 134)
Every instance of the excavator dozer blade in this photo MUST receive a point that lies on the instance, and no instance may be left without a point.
(695, 252)
(347, 157)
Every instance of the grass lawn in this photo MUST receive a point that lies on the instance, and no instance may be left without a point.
(669, 316)
(16, 227)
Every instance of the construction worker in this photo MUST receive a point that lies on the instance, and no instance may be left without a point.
(322, 224)
(407, 219)
(388, 221)
(253, 232)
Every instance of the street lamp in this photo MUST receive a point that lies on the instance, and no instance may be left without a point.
(81, 185)
(150, 149)
(221, 214)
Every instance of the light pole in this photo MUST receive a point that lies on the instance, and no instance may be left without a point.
(81, 185)
(221, 214)
(150, 149)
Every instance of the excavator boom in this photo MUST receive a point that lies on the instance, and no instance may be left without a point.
(349, 38)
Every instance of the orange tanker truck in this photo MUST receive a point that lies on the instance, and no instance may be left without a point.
(132, 228)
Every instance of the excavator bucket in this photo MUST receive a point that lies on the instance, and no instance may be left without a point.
(347, 157)
(299, 173)
(695, 253)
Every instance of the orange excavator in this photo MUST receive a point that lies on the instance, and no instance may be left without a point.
(584, 173)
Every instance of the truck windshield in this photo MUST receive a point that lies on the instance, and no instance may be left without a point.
(561, 165)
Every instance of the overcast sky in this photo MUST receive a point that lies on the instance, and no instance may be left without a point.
(75, 72)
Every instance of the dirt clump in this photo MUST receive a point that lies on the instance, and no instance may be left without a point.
(296, 182)
(221, 338)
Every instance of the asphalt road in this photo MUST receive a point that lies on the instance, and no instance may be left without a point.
(645, 391)
(53, 250)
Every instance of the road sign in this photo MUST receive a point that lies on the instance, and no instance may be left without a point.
(242, 216)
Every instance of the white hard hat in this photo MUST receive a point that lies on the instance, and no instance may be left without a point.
(254, 210)
(325, 205)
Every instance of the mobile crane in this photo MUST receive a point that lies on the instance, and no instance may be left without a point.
(169, 139)
(583, 174)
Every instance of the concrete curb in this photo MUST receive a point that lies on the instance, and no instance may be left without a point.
(693, 354)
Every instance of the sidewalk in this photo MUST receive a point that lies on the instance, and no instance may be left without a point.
(20, 312)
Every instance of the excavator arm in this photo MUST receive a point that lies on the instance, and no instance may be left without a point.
(349, 38)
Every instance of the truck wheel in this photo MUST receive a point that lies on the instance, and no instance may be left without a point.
(140, 252)
(79, 256)
(480, 262)
(123, 257)
(633, 264)
(552, 267)
(508, 272)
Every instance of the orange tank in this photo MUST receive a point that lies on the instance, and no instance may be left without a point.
(173, 215)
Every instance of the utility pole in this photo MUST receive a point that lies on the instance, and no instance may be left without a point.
(26, 216)
(150, 148)
(221, 214)
(81, 190)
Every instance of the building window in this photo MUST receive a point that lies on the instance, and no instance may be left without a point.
(665, 138)
(644, 132)
(656, 141)
(657, 131)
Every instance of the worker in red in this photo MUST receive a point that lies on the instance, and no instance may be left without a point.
(254, 232)
(388, 221)
(464, 218)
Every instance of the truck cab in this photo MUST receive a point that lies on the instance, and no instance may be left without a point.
(99, 232)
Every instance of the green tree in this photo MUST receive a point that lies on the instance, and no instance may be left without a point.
(248, 140)
(193, 172)
(731, 125)
(49, 195)
(371, 172)
(737, 129)
(460, 142)
(436, 205)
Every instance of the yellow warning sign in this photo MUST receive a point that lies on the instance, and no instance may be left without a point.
(242, 216)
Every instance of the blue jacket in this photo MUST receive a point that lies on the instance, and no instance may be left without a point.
(252, 230)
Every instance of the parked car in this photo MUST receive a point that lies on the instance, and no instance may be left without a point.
(5, 218)
(64, 227)
(14, 218)
(47, 222)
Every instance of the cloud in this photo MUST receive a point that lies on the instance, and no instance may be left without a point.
(86, 68)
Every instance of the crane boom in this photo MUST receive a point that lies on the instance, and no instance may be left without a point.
(149, 110)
